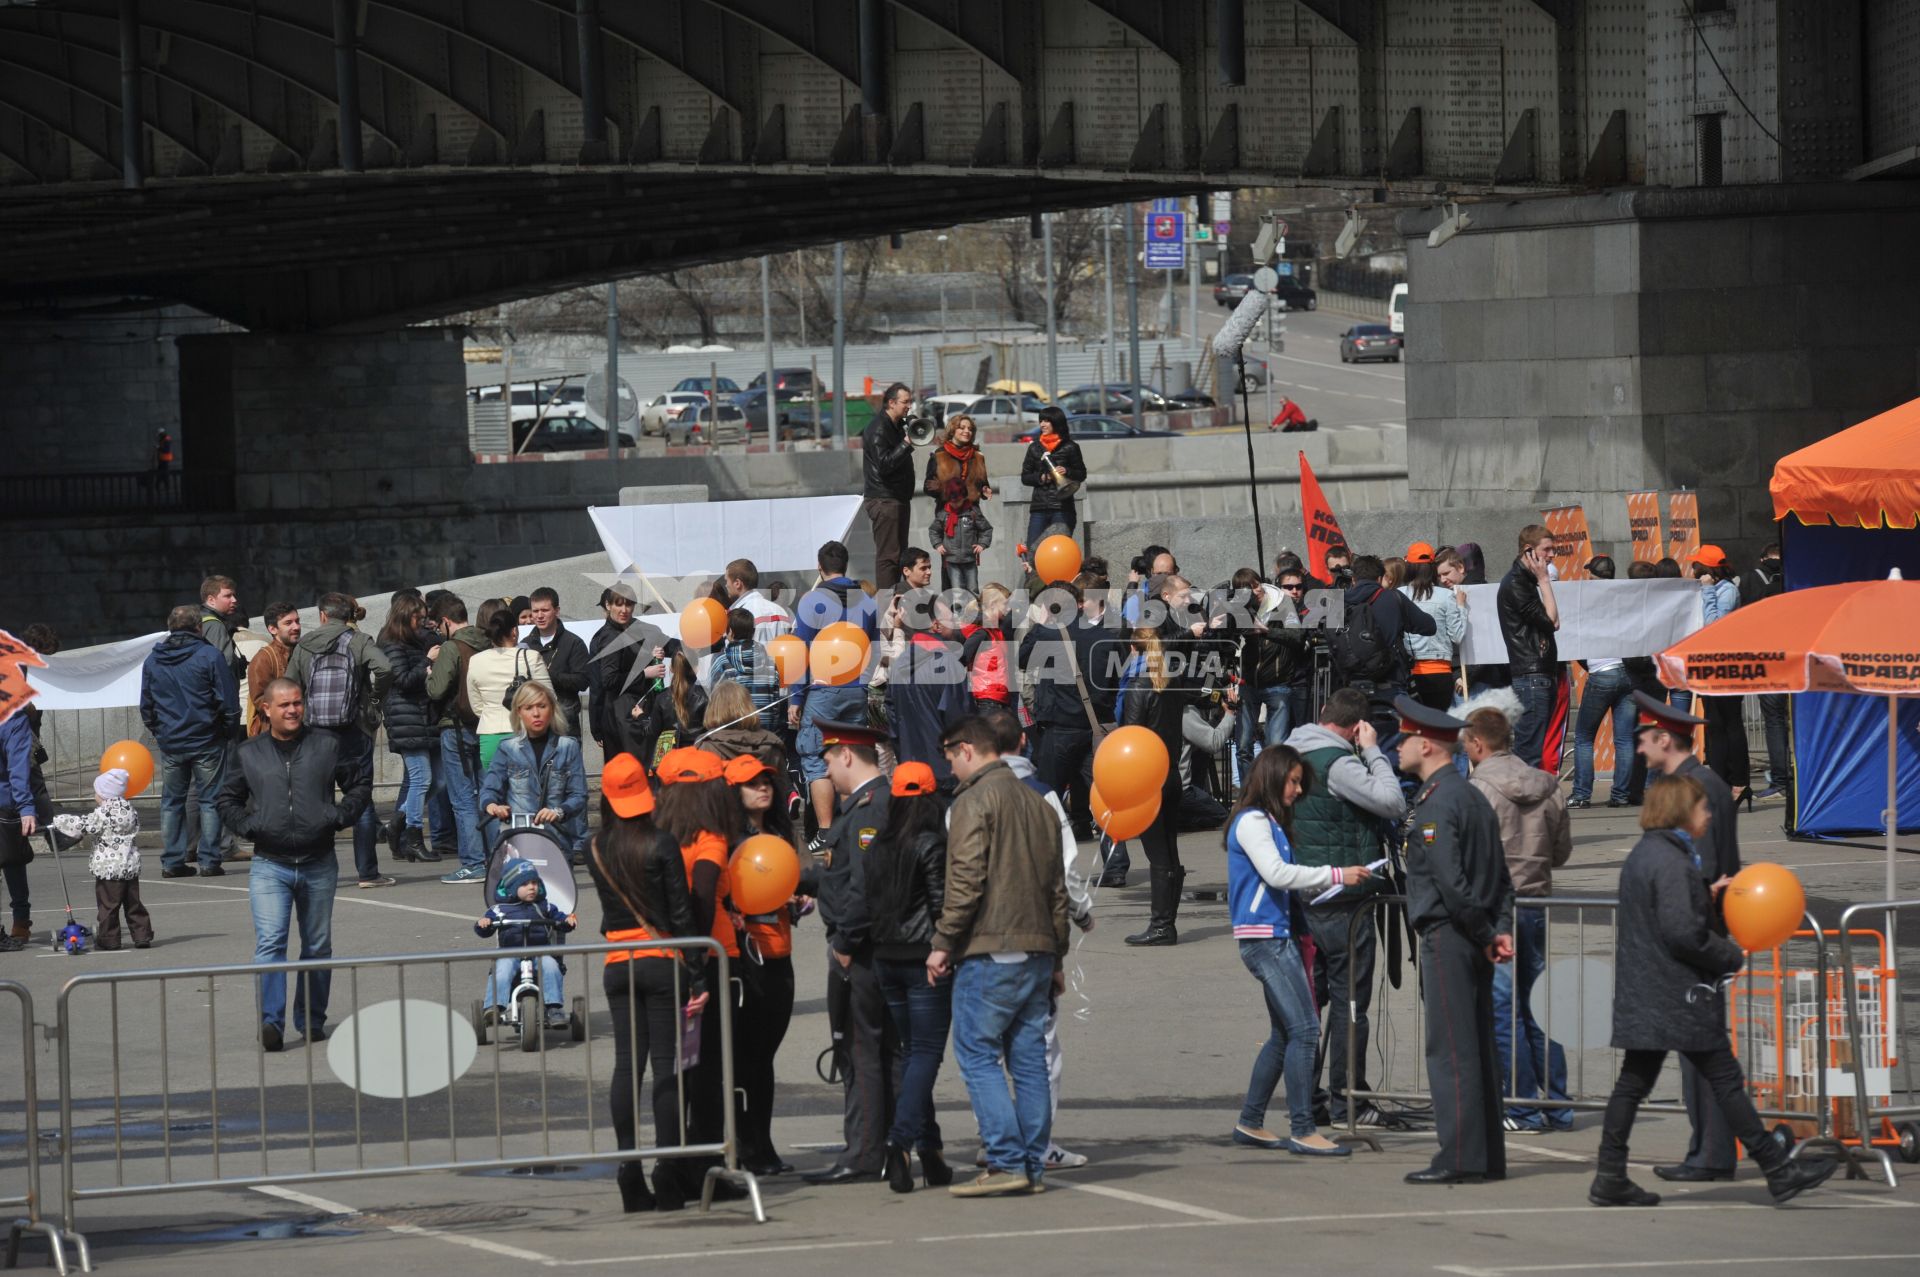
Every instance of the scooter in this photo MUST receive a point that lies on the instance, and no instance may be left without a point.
(72, 939)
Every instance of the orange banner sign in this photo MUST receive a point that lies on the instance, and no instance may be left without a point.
(1643, 526)
(1571, 547)
(1683, 526)
(1322, 529)
(15, 691)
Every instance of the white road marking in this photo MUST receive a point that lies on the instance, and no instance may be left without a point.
(717, 1253)
(1729, 1261)
(471, 1243)
(306, 1199)
(352, 896)
(1158, 1203)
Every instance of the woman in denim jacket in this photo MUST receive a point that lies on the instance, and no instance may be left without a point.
(538, 771)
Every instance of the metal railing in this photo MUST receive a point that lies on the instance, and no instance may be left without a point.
(1754, 1033)
(1892, 1046)
(31, 1199)
(103, 492)
(178, 1129)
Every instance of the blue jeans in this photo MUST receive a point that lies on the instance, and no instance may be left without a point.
(1279, 705)
(356, 751)
(921, 1014)
(844, 704)
(204, 771)
(1529, 960)
(460, 770)
(506, 974)
(1038, 521)
(439, 810)
(1536, 703)
(277, 891)
(1000, 1011)
(418, 782)
(1608, 690)
(1290, 1047)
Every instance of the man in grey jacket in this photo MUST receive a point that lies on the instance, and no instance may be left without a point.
(345, 704)
(1537, 840)
(1352, 796)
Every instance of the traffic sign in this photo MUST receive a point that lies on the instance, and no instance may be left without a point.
(1166, 241)
(1202, 233)
(1223, 206)
(1222, 229)
(1166, 226)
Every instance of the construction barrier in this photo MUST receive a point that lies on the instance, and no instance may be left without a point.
(30, 1200)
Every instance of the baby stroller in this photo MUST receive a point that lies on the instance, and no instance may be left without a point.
(524, 1014)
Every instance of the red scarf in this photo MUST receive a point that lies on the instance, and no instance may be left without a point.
(964, 455)
(1045, 444)
(953, 515)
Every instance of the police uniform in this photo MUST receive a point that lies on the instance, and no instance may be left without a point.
(1711, 1153)
(1459, 898)
(868, 1058)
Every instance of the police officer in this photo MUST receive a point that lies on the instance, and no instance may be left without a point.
(1460, 900)
(1664, 737)
(869, 1062)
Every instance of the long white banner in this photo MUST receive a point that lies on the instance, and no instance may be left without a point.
(782, 535)
(1597, 619)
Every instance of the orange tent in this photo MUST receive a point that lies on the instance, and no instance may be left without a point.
(1867, 476)
(1862, 636)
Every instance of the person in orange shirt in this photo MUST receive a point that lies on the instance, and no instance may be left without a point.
(766, 974)
(699, 812)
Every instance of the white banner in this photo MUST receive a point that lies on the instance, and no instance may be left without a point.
(105, 677)
(1598, 619)
(703, 537)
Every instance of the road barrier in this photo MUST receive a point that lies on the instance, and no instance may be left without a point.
(31, 1200)
(178, 1125)
(1784, 1021)
(1876, 1043)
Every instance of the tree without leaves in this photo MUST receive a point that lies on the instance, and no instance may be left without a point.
(1021, 268)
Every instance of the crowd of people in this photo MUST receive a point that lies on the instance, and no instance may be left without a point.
(940, 797)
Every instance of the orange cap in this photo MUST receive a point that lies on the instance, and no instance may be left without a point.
(1419, 552)
(688, 764)
(623, 783)
(1711, 555)
(912, 780)
(746, 767)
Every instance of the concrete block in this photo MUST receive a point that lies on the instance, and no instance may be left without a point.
(1673, 383)
(1569, 262)
(1865, 381)
(665, 494)
(1695, 254)
(1759, 380)
(1520, 263)
(1616, 257)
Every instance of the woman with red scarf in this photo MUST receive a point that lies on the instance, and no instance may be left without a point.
(958, 457)
(1054, 470)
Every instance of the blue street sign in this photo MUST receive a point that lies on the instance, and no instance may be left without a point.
(1166, 241)
(1168, 206)
(1285, 268)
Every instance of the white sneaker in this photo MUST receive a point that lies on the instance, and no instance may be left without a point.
(1059, 1159)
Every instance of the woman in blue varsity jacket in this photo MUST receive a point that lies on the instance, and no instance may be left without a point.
(1261, 880)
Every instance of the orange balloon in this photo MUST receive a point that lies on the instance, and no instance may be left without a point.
(133, 756)
(764, 874)
(1765, 904)
(1130, 766)
(703, 623)
(838, 654)
(789, 655)
(1057, 559)
(1125, 823)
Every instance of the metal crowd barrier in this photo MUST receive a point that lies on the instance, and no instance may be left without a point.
(1764, 1041)
(31, 1200)
(176, 1125)
(1876, 1040)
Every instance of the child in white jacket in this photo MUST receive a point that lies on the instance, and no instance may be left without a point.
(115, 861)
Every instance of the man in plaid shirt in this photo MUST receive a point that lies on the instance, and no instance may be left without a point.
(742, 660)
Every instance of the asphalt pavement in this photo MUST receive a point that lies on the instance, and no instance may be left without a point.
(1158, 1047)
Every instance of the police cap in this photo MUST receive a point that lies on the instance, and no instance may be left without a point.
(1420, 720)
(1651, 713)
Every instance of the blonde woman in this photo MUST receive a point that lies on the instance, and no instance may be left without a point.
(492, 672)
(537, 771)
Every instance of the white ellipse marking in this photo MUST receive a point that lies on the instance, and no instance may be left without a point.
(440, 1047)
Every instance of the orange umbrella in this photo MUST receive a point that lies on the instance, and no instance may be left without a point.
(1861, 636)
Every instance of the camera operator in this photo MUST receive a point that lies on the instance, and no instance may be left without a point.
(1273, 656)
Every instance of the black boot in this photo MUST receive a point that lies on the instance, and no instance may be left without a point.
(898, 1170)
(1787, 1179)
(635, 1196)
(1616, 1189)
(414, 847)
(1166, 904)
(670, 1186)
(392, 831)
(934, 1167)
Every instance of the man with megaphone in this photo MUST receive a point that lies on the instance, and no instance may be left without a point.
(886, 465)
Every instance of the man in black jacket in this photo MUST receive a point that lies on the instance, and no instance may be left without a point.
(611, 663)
(1767, 579)
(279, 792)
(568, 666)
(886, 465)
(1371, 655)
(1529, 615)
(1054, 658)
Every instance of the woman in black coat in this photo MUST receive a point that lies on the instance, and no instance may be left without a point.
(1054, 470)
(411, 726)
(1158, 693)
(1670, 965)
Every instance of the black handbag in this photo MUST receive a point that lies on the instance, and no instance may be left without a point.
(15, 847)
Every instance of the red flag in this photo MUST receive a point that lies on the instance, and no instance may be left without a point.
(15, 691)
(1323, 530)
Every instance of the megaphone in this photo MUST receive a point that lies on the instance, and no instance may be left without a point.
(922, 431)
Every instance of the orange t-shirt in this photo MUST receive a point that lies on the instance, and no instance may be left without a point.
(712, 847)
(1433, 667)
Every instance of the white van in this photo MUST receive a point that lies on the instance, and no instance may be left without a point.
(1397, 309)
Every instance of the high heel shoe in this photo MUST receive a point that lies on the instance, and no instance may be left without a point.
(935, 1169)
(634, 1194)
(898, 1170)
(1744, 797)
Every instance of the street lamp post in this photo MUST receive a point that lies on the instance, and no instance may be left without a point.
(943, 290)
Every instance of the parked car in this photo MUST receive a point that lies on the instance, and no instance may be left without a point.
(940, 407)
(1150, 398)
(1030, 389)
(725, 385)
(564, 434)
(798, 380)
(1092, 426)
(753, 402)
(713, 423)
(665, 409)
(1369, 341)
(532, 400)
(1004, 410)
(1079, 403)
(1231, 290)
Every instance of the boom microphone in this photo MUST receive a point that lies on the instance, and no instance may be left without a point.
(1240, 325)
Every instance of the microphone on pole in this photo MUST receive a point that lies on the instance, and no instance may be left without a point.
(1240, 325)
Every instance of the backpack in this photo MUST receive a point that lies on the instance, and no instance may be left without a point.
(1360, 654)
(332, 689)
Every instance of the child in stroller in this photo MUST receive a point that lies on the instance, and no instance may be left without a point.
(525, 918)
